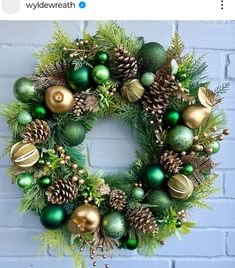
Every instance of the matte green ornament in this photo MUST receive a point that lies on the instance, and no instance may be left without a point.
(137, 193)
(147, 79)
(24, 90)
(45, 181)
(74, 133)
(39, 111)
(113, 225)
(52, 217)
(24, 118)
(131, 243)
(101, 57)
(180, 138)
(101, 74)
(172, 117)
(79, 79)
(187, 169)
(215, 145)
(25, 181)
(178, 223)
(154, 176)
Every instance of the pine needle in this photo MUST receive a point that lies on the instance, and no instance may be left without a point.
(176, 47)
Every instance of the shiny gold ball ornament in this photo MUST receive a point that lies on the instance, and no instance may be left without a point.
(180, 187)
(24, 155)
(59, 99)
(195, 115)
(132, 90)
(85, 219)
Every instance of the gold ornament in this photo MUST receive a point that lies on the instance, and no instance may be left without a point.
(59, 99)
(132, 90)
(85, 219)
(24, 155)
(195, 115)
(180, 186)
(207, 97)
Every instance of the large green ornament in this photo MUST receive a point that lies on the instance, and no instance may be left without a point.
(79, 79)
(25, 181)
(39, 111)
(180, 138)
(172, 117)
(160, 199)
(101, 57)
(113, 225)
(52, 217)
(152, 57)
(131, 243)
(154, 176)
(137, 193)
(215, 146)
(24, 90)
(24, 118)
(147, 79)
(45, 181)
(74, 133)
(101, 74)
(187, 169)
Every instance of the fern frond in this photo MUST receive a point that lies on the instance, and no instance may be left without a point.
(176, 46)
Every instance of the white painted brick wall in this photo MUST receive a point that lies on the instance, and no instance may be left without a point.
(112, 146)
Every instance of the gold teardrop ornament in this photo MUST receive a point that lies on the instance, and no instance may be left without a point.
(24, 155)
(132, 90)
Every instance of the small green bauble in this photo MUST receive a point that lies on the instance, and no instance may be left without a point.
(131, 243)
(52, 217)
(24, 90)
(113, 225)
(39, 111)
(101, 74)
(187, 169)
(44, 181)
(147, 79)
(180, 138)
(172, 117)
(74, 133)
(25, 181)
(160, 199)
(79, 79)
(41, 162)
(178, 223)
(24, 118)
(137, 193)
(215, 145)
(154, 176)
(101, 57)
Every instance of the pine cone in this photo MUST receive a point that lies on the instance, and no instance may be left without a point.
(62, 191)
(117, 199)
(143, 220)
(84, 102)
(127, 66)
(171, 162)
(37, 132)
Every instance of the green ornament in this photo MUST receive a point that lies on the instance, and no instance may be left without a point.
(147, 79)
(52, 217)
(154, 176)
(44, 181)
(215, 146)
(24, 90)
(131, 243)
(187, 169)
(101, 57)
(152, 57)
(101, 74)
(178, 223)
(39, 111)
(24, 118)
(113, 225)
(25, 181)
(172, 117)
(79, 79)
(160, 199)
(137, 193)
(74, 133)
(180, 138)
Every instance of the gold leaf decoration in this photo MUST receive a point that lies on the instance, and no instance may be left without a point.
(207, 97)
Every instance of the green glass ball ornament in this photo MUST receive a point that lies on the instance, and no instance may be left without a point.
(187, 169)
(131, 243)
(25, 181)
(180, 138)
(113, 225)
(24, 118)
(39, 111)
(74, 133)
(147, 79)
(79, 79)
(24, 90)
(101, 74)
(45, 181)
(101, 57)
(137, 193)
(154, 176)
(53, 217)
(215, 146)
(178, 223)
(172, 117)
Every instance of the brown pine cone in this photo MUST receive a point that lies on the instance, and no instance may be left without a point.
(37, 132)
(117, 199)
(85, 102)
(171, 162)
(62, 191)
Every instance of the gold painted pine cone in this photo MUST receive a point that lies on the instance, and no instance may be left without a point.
(85, 102)
(117, 199)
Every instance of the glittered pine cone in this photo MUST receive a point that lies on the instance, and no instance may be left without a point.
(171, 162)
(117, 199)
(85, 102)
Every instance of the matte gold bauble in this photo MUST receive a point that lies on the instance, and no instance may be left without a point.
(59, 99)
(24, 155)
(132, 90)
(85, 219)
(195, 115)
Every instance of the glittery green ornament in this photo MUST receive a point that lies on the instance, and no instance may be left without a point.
(172, 117)
(24, 118)
(45, 181)
(147, 79)
(138, 193)
(178, 223)
(24, 90)
(187, 169)
(79, 79)
(154, 176)
(74, 133)
(52, 217)
(101, 57)
(101, 74)
(25, 181)
(39, 111)
(215, 146)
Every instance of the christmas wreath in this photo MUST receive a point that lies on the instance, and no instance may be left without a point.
(162, 94)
